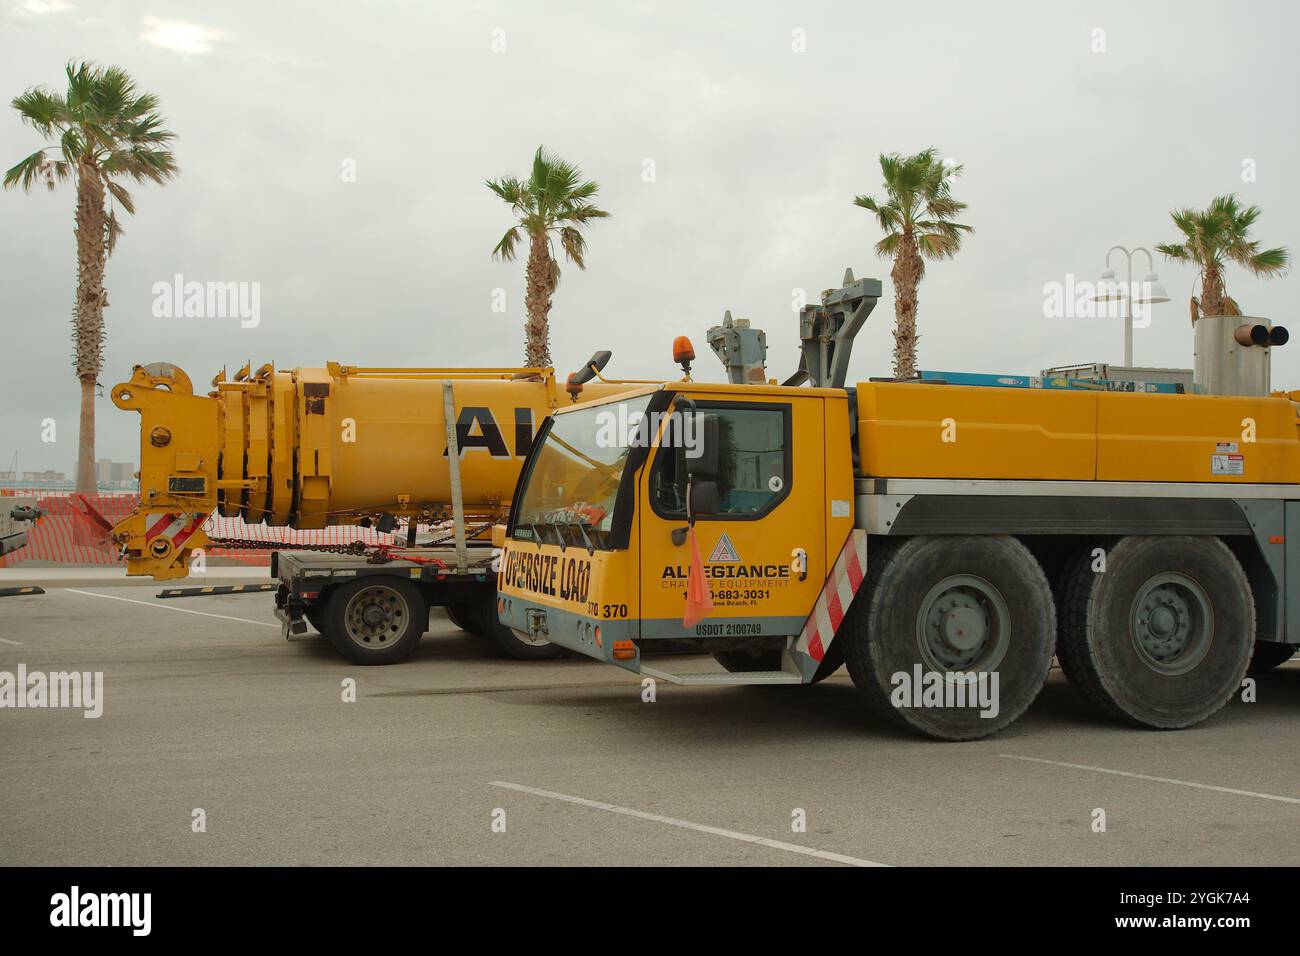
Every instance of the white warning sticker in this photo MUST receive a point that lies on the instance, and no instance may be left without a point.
(1227, 464)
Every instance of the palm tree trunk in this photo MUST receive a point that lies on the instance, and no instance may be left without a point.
(906, 275)
(88, 321)
(1213, 291)
(537, 300)
(86, 480)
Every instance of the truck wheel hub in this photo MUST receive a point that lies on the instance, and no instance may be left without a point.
(963, 624)
(374, 616)
(1171, 623)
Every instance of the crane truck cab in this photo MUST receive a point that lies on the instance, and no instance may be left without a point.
(943, 541)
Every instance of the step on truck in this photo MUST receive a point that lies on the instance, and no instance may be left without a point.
(343, 446)
(943, 542)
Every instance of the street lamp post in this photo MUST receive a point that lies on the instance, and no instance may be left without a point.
(1108, 290)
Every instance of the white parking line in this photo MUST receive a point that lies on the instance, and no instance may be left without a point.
(168, 607)
(1143, 776)
(14, 643)
(688, 825)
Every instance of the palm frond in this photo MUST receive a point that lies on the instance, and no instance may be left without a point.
(42, 110)
(119, 193)
(1269, 262)
(112, 231)
(505, 249)
(574, 245)
(26, 172)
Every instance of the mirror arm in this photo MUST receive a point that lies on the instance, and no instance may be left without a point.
(679, 534)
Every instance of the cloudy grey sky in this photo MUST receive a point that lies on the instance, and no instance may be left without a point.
(758, 150)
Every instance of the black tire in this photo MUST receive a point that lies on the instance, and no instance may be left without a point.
(741, 661)
(376, 619)
(512, 643)
(315, 615)
(986, 593)
(1269, 655)
(1162, 638)
(462, 615)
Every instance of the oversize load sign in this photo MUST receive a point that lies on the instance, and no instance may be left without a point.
(554, 575)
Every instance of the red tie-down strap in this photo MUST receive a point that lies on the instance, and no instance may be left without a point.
(833, 603)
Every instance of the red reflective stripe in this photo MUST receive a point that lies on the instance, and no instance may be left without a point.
(815, 649)
(854, 568)
(152, 531)
(834, 611)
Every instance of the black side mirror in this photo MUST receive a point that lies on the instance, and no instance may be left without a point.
(588, 371)
(704, 498)
(703, 460)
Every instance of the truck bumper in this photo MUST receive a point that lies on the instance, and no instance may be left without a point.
(589, 636)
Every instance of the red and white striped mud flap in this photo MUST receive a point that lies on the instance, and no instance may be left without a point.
(813, 642)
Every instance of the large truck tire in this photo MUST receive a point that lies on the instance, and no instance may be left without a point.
(462, 615)
(967, 605)
(511, 642)
(376, 619)
(1161, 638)
(1269, 655)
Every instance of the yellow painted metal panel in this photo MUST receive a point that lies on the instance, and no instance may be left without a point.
(953, 431)
(1196, 438)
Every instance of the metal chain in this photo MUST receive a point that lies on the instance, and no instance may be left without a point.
(357, 548)
(254, 544)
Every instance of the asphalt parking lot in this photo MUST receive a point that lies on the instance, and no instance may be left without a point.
(461, 757)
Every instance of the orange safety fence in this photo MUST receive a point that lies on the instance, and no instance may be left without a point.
(74, 530)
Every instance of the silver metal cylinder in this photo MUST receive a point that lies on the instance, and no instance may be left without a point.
(1224, 366)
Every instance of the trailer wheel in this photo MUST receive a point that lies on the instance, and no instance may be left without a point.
(512, 643)
(948, 610)
(1269, 655)
(315, 615)
(462, 615)
(376, 620)
(1162, 638)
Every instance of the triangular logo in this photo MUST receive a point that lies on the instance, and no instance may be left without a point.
(724, 550)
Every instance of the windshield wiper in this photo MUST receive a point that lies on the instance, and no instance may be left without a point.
(582, 530)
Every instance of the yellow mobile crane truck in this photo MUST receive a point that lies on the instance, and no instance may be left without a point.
(311, 448)
(944, 541)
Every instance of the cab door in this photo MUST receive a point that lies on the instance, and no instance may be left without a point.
(763, 551)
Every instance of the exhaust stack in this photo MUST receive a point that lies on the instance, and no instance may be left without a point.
(1232, 354)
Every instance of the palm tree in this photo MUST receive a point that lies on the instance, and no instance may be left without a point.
(1214, 237)
(917, 219)
(103, 131)
(553, 200)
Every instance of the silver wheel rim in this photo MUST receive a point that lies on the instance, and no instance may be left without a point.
(1171, 623)
(375, 617)
(963, 624)
(524, 637)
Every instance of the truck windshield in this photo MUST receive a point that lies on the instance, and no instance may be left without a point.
(573, 481)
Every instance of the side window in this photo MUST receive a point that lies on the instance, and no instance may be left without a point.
(754, 461)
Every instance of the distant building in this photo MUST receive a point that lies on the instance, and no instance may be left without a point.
(8, 476)
(44, 476)
(114, 474)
